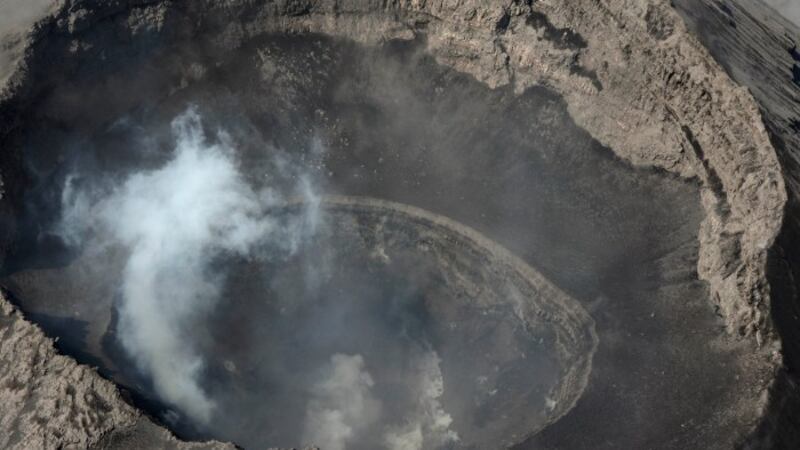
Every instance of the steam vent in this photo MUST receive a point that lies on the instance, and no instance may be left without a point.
(399, 225)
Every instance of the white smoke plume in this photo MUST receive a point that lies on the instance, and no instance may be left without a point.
(344, 409)
(429, 425)
(174, 222)
(342, 405)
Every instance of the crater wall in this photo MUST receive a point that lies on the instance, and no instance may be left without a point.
(629, 72)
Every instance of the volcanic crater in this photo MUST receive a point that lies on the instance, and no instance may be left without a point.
(481, 271)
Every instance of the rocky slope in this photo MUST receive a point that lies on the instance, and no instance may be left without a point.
(632, 75)
(759, 51)
(50, 401)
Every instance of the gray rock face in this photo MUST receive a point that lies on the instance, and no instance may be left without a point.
(630, 73)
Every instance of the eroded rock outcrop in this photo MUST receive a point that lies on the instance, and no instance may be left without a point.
(50, 401)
